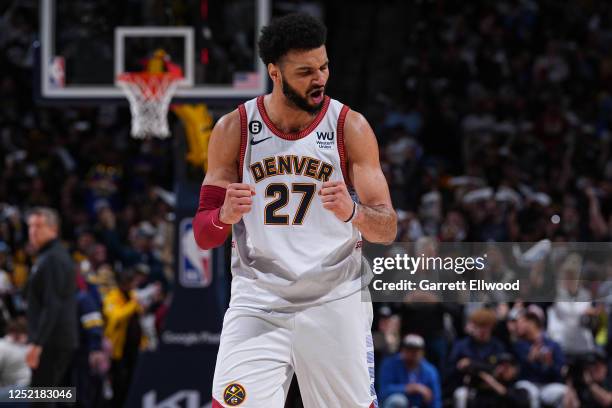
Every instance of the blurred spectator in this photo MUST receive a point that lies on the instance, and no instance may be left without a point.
(604, 297)
(90, 363)
(96, 270)
(14, 372)
(497, 270)
(570, 317)
(85, 240)
(423, 312)
(52, 310)
(122, 313)
(150, 296)
(509, 334)
(407, 379)
(6, 288)
(498, 388)
(5, 279)
(386, 337)
(479, 351)
(594, 390)
(541, 360)
(140, 250)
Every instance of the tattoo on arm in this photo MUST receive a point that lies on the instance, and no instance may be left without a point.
(377, 223)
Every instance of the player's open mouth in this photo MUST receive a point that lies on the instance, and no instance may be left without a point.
(317, 95)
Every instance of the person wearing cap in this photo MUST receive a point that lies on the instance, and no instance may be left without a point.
(140, 249)
(540, 358)
(478, 348)
(498, 388)
(595, 391)
(386, 338)
(407, 379)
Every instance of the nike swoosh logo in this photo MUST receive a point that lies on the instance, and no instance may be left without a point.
(254, 142)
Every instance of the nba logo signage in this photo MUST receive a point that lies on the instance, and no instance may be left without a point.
(195, 264)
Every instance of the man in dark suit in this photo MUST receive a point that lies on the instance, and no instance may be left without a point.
(52, 313)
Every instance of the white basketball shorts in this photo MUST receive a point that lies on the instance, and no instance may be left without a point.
(329, 348)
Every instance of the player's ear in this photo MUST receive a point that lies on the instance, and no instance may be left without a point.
(274, 72)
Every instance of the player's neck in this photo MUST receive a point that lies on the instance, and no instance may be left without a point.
(286, 117)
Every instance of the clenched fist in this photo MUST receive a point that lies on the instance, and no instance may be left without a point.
(237, 202)
(336, 198)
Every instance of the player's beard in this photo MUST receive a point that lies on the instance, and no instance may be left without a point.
(301, 102)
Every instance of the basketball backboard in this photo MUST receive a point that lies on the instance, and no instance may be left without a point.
(86, 44)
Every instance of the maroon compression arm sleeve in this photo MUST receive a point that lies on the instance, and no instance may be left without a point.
(208, 230)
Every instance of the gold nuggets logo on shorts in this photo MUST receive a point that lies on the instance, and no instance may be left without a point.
(234, 394)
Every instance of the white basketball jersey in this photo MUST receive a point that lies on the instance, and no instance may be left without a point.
(289, 251)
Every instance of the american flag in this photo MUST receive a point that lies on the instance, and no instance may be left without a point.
(246, 80)
(57, 72)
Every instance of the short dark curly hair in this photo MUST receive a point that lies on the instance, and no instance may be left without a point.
(295, 31)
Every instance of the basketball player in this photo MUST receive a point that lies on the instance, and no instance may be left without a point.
(280, 167)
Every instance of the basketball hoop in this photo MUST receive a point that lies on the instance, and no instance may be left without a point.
(149, 95)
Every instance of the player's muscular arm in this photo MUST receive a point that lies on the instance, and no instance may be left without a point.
(374, 216)
(224, 151)
(223, 200)
(223, 162)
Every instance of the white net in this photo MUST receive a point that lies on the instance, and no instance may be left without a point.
(149, 96)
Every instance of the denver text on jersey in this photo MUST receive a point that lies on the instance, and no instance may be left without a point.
(291, 164)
